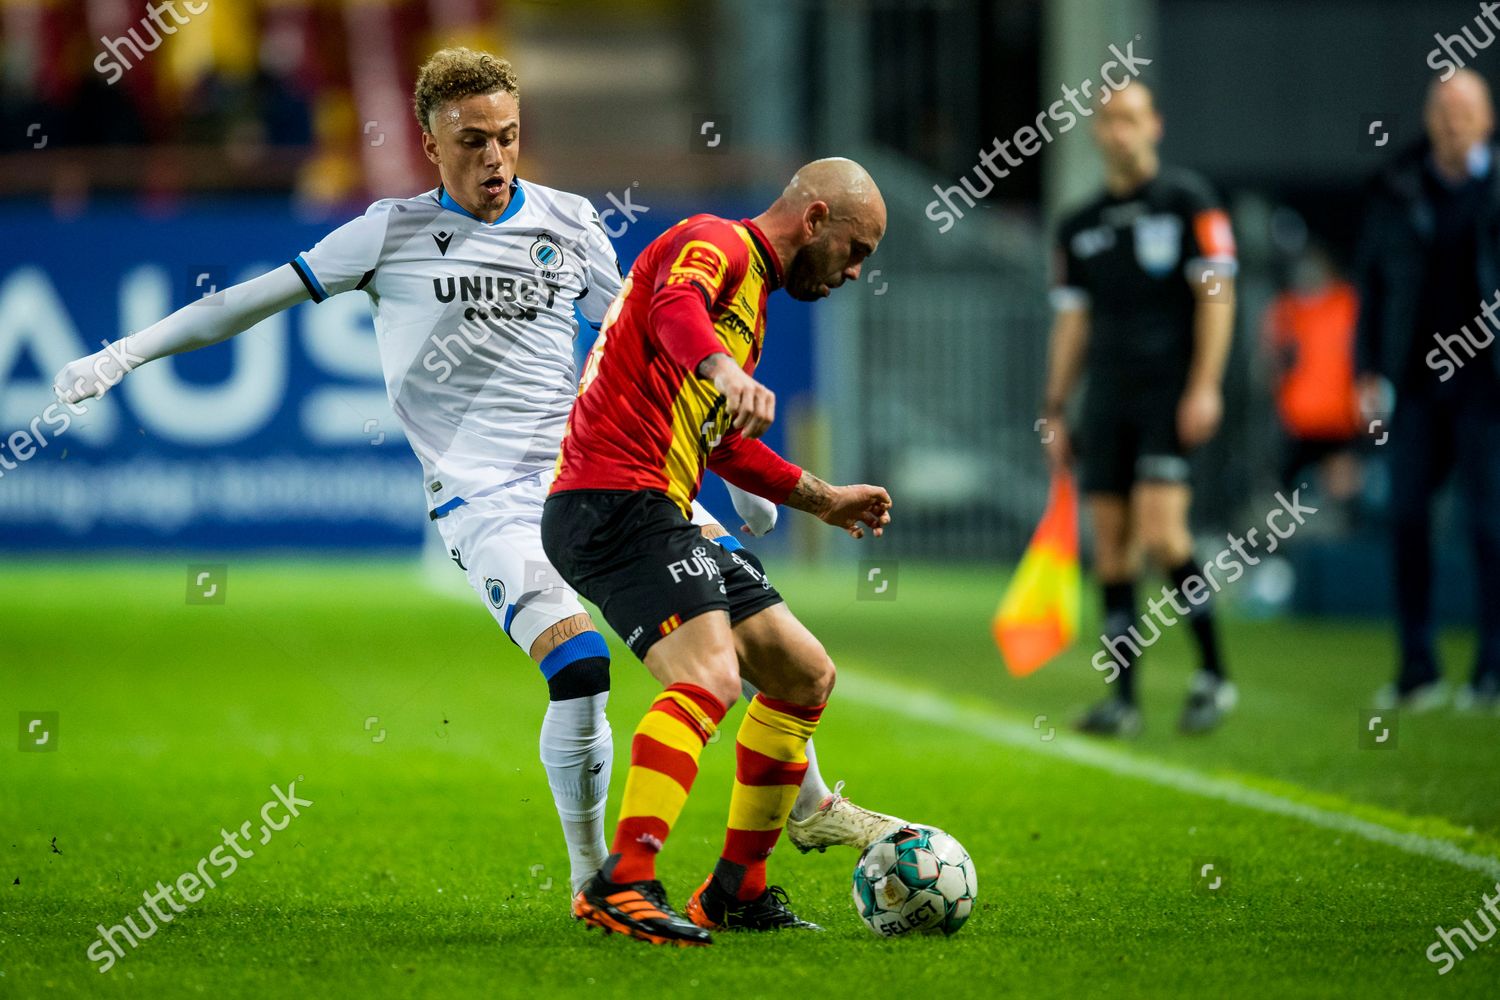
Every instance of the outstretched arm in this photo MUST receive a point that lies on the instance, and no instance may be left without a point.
(755, 468)
(847, 507)
(210, 320)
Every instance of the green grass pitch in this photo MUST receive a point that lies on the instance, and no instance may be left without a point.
(430, 862)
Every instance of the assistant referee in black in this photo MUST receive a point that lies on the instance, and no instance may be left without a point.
(1144, 306)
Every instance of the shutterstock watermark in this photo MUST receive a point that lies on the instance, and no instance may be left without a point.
(106, 948)
(1028, 140)
(1445, 950)
(877, 580)
(1444, 357)
(622, 212)
(112, 62)
(1281, 523)
(1447, 44)
(23, 445)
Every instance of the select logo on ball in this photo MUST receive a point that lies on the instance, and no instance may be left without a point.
(919, 879)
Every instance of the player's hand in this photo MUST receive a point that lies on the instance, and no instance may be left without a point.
(87, 378)
(854, 508)
(1198, 416)
(750, 405)
(1056, 443)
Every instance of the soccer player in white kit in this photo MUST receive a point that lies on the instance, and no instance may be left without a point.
(473, 286)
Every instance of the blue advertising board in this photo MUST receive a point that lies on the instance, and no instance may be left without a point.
(281, 437)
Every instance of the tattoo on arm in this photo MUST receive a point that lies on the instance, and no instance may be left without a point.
(811, 494)
(709, 366)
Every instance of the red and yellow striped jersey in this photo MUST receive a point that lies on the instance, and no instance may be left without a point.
(643, 418)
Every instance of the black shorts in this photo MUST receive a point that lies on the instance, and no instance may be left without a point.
(1128, 435)
(646, 565)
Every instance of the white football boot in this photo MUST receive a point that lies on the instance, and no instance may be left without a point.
(1211, 698)
(1419, 700)
(839, 822)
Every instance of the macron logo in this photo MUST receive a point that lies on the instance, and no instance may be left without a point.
(442, 240)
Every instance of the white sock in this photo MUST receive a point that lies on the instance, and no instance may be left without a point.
(814, 790)
(578, 753)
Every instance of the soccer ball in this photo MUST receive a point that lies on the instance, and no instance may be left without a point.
(917, 879)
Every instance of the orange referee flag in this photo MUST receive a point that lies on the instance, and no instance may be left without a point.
(1038, 616)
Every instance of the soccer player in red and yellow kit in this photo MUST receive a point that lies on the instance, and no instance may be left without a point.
(669, 391)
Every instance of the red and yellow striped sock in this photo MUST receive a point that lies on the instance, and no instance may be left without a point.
(663, 764)
(770, 760)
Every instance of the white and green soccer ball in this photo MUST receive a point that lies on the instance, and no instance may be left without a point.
(917, 880)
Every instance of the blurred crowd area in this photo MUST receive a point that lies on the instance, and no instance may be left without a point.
(155, 98)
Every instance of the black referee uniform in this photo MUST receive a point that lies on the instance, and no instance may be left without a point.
(1133, 262)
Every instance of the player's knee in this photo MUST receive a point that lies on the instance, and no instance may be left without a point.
(824, 680)
(1111, 561)
(815, 682)
(1166, 546)
(724, 687)
(720, 677)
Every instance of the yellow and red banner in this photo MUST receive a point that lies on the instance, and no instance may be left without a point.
(1038, 616)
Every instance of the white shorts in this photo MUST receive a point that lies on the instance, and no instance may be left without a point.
(497, 541)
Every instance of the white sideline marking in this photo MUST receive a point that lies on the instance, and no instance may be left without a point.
(930, 707)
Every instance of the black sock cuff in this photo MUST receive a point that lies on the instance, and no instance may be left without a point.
(1120, 598)
(580, 679)
(1119, 616)
(1200, 616)
(1181, 574)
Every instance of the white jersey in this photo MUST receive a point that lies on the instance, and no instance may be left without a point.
(476, 325)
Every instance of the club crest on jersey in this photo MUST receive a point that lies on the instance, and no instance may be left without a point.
(1158, 243)
(700, 262)
(495, 591)
(546, 254)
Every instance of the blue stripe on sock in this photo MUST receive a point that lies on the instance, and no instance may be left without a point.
(580, 647)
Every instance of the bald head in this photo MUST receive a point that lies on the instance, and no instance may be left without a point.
(1459, 115)
(1127, 129)
(1135, 94)
(843, 185)
(1463, 87)
(829, 218)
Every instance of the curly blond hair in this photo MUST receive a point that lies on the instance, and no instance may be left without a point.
(455, 73)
